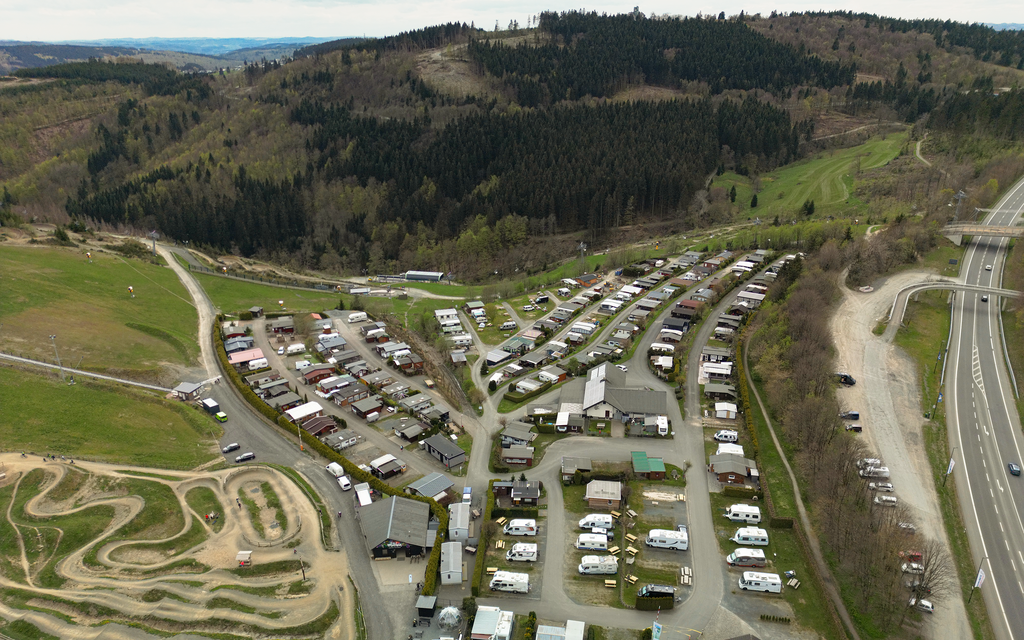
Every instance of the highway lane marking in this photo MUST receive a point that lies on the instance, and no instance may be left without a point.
(999, 485)
(1004, 531)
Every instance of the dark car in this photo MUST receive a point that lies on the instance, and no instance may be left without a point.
(1014, 468)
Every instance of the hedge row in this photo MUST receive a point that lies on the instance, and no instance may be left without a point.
(653, 604)
(516, 397)
(357, 474)
(781, 523)
(741, 382)
(744, 493)
(485, 540)
(513, 513)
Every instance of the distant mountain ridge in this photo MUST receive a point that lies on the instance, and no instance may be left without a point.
(1003, 26)
(202, 46)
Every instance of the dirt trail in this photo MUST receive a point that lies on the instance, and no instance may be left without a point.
(888, 397)
(121, 584)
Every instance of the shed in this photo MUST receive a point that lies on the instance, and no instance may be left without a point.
(451, 563)
(732, 469)
(517, 454)
(720, 391)
(244, 558)
(304, 412)
(604, 494)
(650, 468)
(572, 464)
(496, 356)
(425, 606)
(256, 312)
(446, 451)
(188, 390)
(430, 485)
(525, 492)
(725, 410)
(491, 623)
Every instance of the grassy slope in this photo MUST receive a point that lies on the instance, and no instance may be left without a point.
(51, 291)
(824, 178)
(41, 414)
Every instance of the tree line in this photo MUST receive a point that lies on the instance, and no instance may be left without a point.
(154, 78)
(426, 38)
(981, 114)
(597, 55)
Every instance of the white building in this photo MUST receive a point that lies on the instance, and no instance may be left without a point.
(451, 563)
(491, 623)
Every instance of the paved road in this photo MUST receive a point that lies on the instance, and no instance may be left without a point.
(985, 429)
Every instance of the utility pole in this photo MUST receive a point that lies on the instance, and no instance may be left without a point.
(54, 343)
(960, 195)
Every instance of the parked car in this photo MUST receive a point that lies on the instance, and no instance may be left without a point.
(922, 605)
(1014, 468)
(988, 267)
(880, 486)
(912, 567)
(907, 527)
(983, 299)
(623, 368)
(231, 447)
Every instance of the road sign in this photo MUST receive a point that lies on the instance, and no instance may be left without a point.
(656, 631)
(949, 469)
(952, 261)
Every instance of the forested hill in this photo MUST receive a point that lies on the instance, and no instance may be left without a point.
(352, 157)
(598, 55)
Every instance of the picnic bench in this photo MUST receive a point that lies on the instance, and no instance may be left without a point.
(632, 551)
(502, 520)
(793, 582)
(499, 544)
(613, 550)
(630, 513)
(492, 570)
(611, 584)
(630, 538)
(631, 579)
(616, 515)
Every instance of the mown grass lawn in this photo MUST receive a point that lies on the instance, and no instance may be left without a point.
(86, 305)
(97, 422)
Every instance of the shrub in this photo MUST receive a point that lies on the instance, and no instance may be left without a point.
(245, 315)
(781, 523)
(653, 604)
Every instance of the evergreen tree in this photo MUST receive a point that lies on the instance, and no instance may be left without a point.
(753, 202)
(732, 194)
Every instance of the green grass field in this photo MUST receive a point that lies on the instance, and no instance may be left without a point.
(96, 422)
(98, 325)
(827, 179)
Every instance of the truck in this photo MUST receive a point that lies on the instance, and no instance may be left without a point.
(210, 405)
(335, 469)
(510, 582)
(598, 565)
(296, 348)
(522, 552)
(358, 316)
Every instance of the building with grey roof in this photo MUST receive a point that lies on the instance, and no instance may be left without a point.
(393, 525)
(430, 485)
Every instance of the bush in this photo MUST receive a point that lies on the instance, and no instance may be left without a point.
(781, 523)
(245, 315)
(516, 512)
(492, 386)
(653, 604)
(485, 539)
(743, 493)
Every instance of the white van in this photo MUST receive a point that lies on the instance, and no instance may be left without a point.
(509, 326)
(727, 435)
(335, 469)
(769, 582)
(666, 539)
(875, 472)
(510, 582)
(563, 292)
(744, 513)
(598, 565)
(344, 483)
(301, 364)
(523, 552)
(258, 363)
(592, 541)
(747, 558)
(751, 535)
(602, 520)
(520, 528)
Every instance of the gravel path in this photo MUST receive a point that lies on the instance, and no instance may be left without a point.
(888, 397)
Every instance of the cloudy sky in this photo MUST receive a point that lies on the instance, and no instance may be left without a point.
(54, 20)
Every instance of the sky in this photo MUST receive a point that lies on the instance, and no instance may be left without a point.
(56, 20)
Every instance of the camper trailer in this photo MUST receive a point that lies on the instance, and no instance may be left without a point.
(744, 513)
(592, 542)
(751, 535)
(510, 582)
(727, 435)
(665, 539)
(601, 520)
(509, 326)
(767, 582)
(520, 528)
(599, 565)
(522, 552)
(258, 363)
(358, 316)
(296, 348)
(746, 558)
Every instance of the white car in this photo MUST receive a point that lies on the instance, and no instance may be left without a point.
(623, 368)
(988, 267)
(880, 486)
(344, 483)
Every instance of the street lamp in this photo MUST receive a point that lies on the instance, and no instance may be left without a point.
(54, 343)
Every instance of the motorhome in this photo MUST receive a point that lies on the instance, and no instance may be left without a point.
(602, 520)
(296, 348)
(520, 528)
(509, 326)
(258, 363)
(522, 552)
(335, 469)
(598, 565)
(747, 558)
(666, 539)
(727, 435)
(744, 513)
(768, 582)
(656, 591)
(864, 463)
(592, 541)
(510, 582)
(751, 535)
(358, 316)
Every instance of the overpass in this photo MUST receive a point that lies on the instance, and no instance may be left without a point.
(903, 298)
(956, 231)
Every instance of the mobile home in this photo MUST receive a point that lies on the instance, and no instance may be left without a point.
(744, 513)
(598, 565)
(520, 528)
(592, 541)
(751, 535)
(747, 558)
(522, 552)
(666, 539)
(510, 582)
(768, 582)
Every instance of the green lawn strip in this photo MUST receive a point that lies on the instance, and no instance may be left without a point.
(274, 502)
(925, 336)
(253, 510)
(507, 406)
(203, 502)
(101, 421)
(269, 569)
(190, 583)
(465, 442)
(160, 517)
(231, 295)
(325, 516)
(187, 565)
(156, 595)
(187, 352)
(263, 592)
(42, 284)
(145, 474)
(360, 621)
(228, 603)
(68, 485)
(773, 472)
(195, 536)
(300, 587)
(22, 630)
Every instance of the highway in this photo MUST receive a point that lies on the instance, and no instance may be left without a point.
(984, 428)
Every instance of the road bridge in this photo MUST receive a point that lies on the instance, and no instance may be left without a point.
(957, 230)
